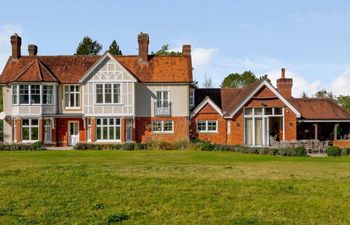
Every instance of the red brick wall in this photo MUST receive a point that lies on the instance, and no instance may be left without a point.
(143, 128)
(264, 98)
(62, 130)
(342, 143)
(209, 113)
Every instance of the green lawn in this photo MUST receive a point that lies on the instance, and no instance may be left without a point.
(172, 187)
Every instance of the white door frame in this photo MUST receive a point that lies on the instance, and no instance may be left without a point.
(69, 134)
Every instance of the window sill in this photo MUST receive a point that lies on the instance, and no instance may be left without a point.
(163, 132)
(207, 132)
(108, 104)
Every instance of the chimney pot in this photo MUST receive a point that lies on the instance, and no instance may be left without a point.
(143, 40)
(16, 42)
(283, 73)
(186, 50)
(32, 50)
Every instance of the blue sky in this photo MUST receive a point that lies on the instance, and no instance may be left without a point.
(310, 38)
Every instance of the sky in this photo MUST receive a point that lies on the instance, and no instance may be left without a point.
(311, 39)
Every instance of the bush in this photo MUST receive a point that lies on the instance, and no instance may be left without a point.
(300, 151)
(37, 146)
(334, 151)
(345, 151)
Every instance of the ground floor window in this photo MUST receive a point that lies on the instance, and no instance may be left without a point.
(88, 131)
(108, 129)
(162, 126)
(14, 130)
(30, 130)
(207, 126)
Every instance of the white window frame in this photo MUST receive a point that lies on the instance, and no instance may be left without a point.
(14, 131)
(263, 115)
(30, 126)
(206, 126)
(192, 97)
(16, 94)
(74, 93)
(108, 126)
(51, 97)
(228, 126)
(88, 131)
(49, 128)
(119, 100)
(162, 126)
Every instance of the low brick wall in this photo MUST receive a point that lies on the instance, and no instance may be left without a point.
(342, 143)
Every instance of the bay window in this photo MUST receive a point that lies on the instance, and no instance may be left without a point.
(30, 130)
(207, 126)
(33, 94)
(162, 126)
(108, 129)
(72, 96)
(107, 93)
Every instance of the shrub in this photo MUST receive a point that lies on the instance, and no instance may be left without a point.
(345, 151)
(300, 151)
(334, 151)
(37, 146)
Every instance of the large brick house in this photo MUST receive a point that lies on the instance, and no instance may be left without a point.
(63, 100)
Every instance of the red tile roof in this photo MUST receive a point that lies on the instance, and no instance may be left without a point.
(319, 109)
(228, 99)
(69, 69)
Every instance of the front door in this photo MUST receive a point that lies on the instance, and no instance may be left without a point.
(73, 135)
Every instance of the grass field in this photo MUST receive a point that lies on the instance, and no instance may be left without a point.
(172, 187)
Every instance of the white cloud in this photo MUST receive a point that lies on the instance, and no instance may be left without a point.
(341, 84)
(202, 56)
(5, 47)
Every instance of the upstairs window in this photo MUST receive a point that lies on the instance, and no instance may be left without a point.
(162, 99)
(23, 94)
(192, 98)
(47, 94)
(72, 96)
(107, 93)
(14, 95)
(35, 94)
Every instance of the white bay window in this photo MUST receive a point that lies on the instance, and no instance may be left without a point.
(34, 94)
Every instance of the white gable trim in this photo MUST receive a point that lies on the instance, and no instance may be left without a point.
(99, 61)
(269, 86)
(206, 101)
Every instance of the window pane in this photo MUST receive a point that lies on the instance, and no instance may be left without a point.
(116, 90)
(212, 125)
(35, 94)
(34, 134)
(14, 94)
(66, 89)
(105, 133)
(201, 126)
(24, 94)
(99, 93)
(258, 131)
(105, 121)
(34, 122)
(248, 131)
(117, 133)
(111, 133)
(157, 126)
(77, 88)
(72, 88)
(258, 111)
(25, 133)
(25, 122)
(71, 95)
(77, 99)
(278, 111)
(268, 111)
(47, 94)
(168, 126)
(99, 133)
(108, 93)
(66, 99)
(117, 121)
(248, 111)
(111, 121)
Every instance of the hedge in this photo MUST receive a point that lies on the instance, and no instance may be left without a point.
(37, 146)
(197, 145)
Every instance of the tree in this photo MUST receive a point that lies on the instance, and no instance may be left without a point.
(164, 50)
(114, 49)
(324, 94)
(88, 47)
(344, 101)
(236, 80)
(208, 82)
(304, 95)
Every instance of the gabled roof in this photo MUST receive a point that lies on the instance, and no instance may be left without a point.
(231, 100)
(206, 101)
(70, 69)
(320, 109)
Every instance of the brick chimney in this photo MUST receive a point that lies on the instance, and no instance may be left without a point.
(32, 50)
(143, 40)
(186, 50)
(284, 85)
(16, 42)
